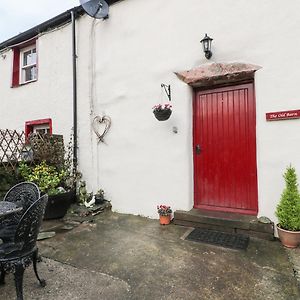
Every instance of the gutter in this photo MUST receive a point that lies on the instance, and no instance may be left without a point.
(57, 21)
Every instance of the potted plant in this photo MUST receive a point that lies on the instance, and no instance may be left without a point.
(162, 112)
(164, 212)
(288, 211)
(52, 181)
(99, 197)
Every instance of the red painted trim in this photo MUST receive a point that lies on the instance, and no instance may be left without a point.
(16, 67)
(30, 124)
(16, 61)
(196, 189)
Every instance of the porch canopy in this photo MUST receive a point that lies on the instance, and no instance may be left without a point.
(217, 73)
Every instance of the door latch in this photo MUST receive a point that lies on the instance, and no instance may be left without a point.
(198, 149)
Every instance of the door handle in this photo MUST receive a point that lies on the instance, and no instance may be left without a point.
(198, 149)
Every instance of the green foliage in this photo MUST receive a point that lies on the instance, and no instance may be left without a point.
(72, 176)
(7, 180)
(288, 209)
(45, 176)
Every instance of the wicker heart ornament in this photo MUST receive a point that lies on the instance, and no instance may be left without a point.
(101, 126)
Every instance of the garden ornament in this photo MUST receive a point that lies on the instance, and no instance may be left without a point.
(82, 191)
(101, 126)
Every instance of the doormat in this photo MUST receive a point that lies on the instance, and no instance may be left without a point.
(218, 238)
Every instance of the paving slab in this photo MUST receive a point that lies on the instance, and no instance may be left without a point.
(294, 257)
(157, 263)
(140, 259)
(65, 282)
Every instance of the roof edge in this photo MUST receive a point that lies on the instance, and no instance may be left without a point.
(49, 24)
(56, 21)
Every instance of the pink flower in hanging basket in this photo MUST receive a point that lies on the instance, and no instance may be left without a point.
(159, 107)
(162, 112)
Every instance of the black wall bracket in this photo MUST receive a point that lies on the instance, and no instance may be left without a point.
(167, 89)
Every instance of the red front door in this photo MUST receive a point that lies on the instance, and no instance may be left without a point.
(225, 149)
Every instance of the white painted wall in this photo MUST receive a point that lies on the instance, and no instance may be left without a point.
(122, 62)
(50, 96)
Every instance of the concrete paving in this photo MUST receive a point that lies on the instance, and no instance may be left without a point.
(130, 257)
(65, 282)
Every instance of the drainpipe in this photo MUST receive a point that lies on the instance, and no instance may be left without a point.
(74, 57)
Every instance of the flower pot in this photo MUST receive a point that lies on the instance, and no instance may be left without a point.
(165, 220)
(162, 114)
(289, 239)
(58, 205)
(99, 200)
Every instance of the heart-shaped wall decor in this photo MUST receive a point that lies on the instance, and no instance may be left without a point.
(101, 126)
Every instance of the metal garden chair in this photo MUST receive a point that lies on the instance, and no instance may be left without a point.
(23, 195)
(17, 255)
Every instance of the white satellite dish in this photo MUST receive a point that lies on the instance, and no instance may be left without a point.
(95, 8)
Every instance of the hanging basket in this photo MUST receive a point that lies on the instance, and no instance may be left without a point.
(162, 114)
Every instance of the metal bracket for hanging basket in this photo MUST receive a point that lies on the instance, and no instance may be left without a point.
(167, 89)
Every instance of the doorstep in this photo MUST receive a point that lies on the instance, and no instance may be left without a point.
(226, 222)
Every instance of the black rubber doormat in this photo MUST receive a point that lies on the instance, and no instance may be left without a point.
(223, 239)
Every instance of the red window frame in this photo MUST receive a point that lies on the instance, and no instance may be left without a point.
(29, 125)
(16, 61)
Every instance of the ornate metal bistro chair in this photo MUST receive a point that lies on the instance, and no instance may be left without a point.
(17, 255)
(23, 195)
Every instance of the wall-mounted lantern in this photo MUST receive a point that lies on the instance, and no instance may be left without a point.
(206, 42)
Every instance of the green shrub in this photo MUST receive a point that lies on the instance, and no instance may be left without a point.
(288, 209)
(45, 176)
(7, 180)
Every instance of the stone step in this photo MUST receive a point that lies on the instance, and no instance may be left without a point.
(226, 222)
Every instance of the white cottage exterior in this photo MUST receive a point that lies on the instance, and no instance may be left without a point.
(121, 64)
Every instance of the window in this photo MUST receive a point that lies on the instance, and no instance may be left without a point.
(38, 126)
(42, 129)
(24, 63)
(28, 70)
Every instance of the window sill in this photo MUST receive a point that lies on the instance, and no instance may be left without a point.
(29, 81)
(24, 83)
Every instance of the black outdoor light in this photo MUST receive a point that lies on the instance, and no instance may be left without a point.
(206, 42)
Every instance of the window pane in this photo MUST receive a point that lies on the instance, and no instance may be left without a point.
(34, 72)
(29, 73)
(41, 131)
(33, 57)
(29, 57)
(26, 57)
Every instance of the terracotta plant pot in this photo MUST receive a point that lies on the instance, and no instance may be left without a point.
(289, 239)
(165, 220)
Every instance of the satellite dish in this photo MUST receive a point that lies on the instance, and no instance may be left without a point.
(95, 8)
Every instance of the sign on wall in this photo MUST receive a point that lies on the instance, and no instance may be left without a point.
(283, 115)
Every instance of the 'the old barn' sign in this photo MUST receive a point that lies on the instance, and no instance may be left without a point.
(283, 115)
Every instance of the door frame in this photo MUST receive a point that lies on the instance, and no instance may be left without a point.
(211, 89)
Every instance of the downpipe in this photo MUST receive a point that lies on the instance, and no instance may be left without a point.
(74, 64)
